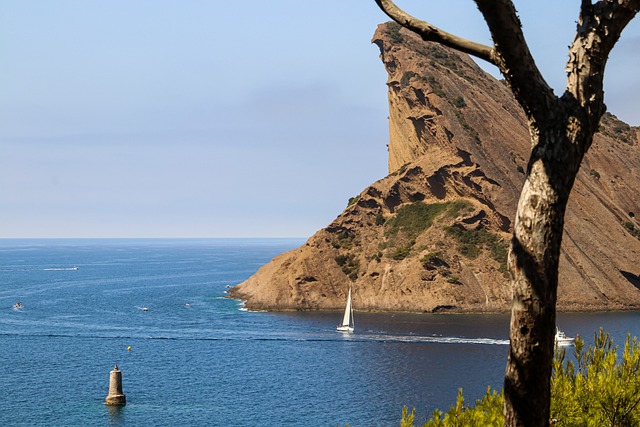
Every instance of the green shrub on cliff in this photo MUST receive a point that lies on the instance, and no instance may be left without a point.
(471, 243)
(602, 388)
(349, 265)
(401, 252)
(413, 219)
(432, 259)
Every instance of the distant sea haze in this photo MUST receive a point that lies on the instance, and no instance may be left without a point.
(189, 355)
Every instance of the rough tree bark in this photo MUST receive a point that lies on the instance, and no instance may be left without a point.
(562, 130)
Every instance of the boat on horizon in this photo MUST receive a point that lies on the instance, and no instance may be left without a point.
(347, 324)
(562, 339)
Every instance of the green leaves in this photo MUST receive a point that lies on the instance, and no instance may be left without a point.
(486, 413)
(598, 386)
(603, 389)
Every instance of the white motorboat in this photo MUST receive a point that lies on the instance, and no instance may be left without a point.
(562, 339)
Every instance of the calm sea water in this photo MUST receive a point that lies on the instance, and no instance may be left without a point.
(197, 358)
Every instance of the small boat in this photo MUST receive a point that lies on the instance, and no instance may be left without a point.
(562, 339)
(347, 324)
(18, 305)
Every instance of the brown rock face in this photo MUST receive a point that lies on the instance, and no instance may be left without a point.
(433, 234)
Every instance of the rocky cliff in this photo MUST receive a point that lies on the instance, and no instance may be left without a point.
(433, 235)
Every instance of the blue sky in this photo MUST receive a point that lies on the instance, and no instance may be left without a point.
(157, 118)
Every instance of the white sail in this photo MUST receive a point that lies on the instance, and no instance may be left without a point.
(347, 319)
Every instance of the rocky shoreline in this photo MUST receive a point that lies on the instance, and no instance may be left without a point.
(432, 236)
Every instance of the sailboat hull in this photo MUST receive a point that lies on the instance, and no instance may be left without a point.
(347, 320)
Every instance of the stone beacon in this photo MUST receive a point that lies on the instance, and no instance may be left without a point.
(116, 397)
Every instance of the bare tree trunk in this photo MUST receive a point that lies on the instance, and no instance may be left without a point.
(561, 132)
(533, 262)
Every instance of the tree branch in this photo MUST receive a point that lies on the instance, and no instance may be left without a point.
(514, 58)
(435, 34)
(599, 28)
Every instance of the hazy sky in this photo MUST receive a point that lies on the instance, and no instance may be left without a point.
(203, 118)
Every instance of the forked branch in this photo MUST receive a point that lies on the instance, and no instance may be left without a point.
(599, 27)
(510, 52)
(515, 60)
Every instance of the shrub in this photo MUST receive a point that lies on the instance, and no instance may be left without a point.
(602, 388)
(349, 265)
(458, 206)
(414, 218)
(394, 32)
(472, 241)
(455, 279)
(459, 102)
(400, 253)
(486, 413)
(428, 258)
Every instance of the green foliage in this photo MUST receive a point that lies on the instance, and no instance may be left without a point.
(407, 418)
(394, 32)
(472, 241)
(601, 388)
(413, 219)
(353, 200)
(455, 279)
(457, 206)
(441, 57)
(459, 102)
(486, 413)
(380, 218)
(349, 265)
(346, 239)
(428, 259)
(399, 253)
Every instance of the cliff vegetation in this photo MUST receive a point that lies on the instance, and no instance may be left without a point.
(432, 235)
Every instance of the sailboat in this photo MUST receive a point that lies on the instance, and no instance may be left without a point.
(347, 320)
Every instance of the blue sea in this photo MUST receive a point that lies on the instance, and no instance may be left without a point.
(198, 358)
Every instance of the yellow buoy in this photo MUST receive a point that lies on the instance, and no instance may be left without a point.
(129, 348)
